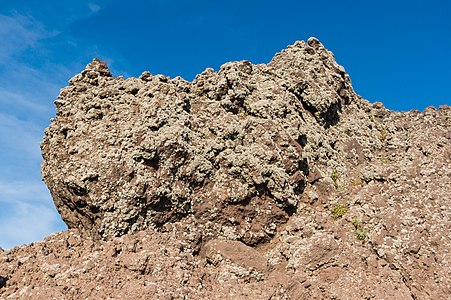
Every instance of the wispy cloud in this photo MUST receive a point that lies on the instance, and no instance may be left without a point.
(26, 213)
(18, 137)
(21, 84)
(21, 99)
(93, 7)
(34, 63)
(26, 209)
(18, 33)
(22, 192)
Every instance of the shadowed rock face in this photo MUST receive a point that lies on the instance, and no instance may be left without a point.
(268, 181)
(125, 154)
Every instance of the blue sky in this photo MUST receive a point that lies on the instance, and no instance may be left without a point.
(397, 52)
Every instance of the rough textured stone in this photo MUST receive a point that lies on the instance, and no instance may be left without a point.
(268, 181)
(123, 155)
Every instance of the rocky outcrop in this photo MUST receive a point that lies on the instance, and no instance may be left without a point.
(128, 154)
(268, 181)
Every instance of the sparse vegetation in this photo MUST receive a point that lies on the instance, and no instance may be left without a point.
(384, 159)
(383, 132)
(360, 232)
(339, 210)
(356, 222)
(334, 177)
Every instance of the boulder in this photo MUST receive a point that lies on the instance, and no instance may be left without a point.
(228, 148)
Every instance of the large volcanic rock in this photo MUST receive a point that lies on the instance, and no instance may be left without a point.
(229, 147)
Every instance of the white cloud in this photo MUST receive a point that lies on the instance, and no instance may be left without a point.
(22, 86)
(23, 192)
(94, 7)
(20, 137)
(18, 33)
(26, 213)
(15, 99)
(29, 82)
(26, 209)
(27, 91)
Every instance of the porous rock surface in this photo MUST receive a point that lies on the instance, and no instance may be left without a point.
(125, 155)
(267, 181)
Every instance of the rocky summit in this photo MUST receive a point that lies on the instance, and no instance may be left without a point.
(269, 181)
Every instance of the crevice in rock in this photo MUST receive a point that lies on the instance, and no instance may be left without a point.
(304, 166)
(331, 116)
(3, 281)
(302, 140)
(77, 190)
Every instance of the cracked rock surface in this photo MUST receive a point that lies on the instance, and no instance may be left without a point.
(271, 181)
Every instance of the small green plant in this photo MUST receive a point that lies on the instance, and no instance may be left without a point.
(360, 233)
(384, 159)
(334, 177)
(356, 222)
(339, 210)
(383, 132)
